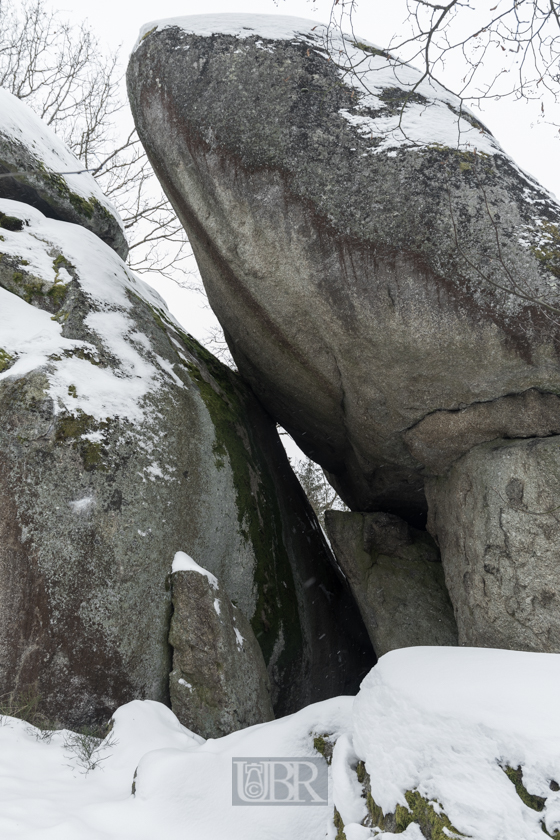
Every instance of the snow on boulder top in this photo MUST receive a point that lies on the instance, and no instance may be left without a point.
(455, 724)
(183, 563)
(49, 255)
(36, 156)
(431, 116)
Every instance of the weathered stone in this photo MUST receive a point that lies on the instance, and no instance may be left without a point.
(35, 156)
(397, 579)
(444, 436)
(219, 681)
(496, 518)
(365, 277)
(122, 441)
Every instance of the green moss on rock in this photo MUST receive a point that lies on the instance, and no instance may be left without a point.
(10, 222)
(276, 613)
(72, 427)
(339, 825)
(433, 822)
(548, 250)
(5, 360)
(324, 747)
(515, 775)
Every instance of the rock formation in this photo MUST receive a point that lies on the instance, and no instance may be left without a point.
(34, 156)
(496, 516)
(219, 681)
(377, 261)
(122, 442)
(397, 579)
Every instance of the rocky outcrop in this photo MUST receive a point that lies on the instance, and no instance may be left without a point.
(380, 267)
(219, 681)
(496, 518)
(397, 579)
(122, 442)
(32, 159)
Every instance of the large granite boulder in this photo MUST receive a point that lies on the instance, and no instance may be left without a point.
(397, 578)
(496, 517)
(373, 255)
(219, 681)
(122, 442)
(38, 169)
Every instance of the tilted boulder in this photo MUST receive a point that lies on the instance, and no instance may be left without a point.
(495, 514)
(36, 168)
(372, 253)
(397, 578)
(122, 442)
(219, 681)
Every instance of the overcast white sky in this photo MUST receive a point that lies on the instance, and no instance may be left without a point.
(535, 147)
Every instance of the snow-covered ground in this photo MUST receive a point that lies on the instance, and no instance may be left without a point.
(445, 722)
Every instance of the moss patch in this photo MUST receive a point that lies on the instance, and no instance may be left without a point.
(515, 775)
(85, 207)
(5, 360)
(339, 825)
(434, 824)
(10, 222)
(324, 747)
(276, 613)
(548, 250)
(72, 427)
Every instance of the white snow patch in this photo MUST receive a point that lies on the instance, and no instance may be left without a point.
(238, 637)
(217, 605)
(183, 563)
(182, 785)
(183, 682)
(271, 27)
(82, 505)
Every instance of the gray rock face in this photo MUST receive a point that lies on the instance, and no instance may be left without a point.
(397, 578)
(496, 518)
(36, 156)
(365, 278)
(219, 681)
(122, 442)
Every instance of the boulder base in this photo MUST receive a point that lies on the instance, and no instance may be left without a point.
(496, 518)
(397, 579)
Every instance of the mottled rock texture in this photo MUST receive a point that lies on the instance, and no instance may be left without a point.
(122, 441)
(497, 519)
(34, 156)
(365, 278)
(219, 681)
(397, 578)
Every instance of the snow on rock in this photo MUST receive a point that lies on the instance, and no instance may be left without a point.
(449, 722)
(47, 175)
(432, 116)
(183, 563)
(33, 338)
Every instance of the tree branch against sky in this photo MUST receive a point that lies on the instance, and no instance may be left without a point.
(480, 50)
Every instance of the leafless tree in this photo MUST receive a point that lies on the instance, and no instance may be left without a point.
(64, 74)
(511, 49)
(319, 492)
